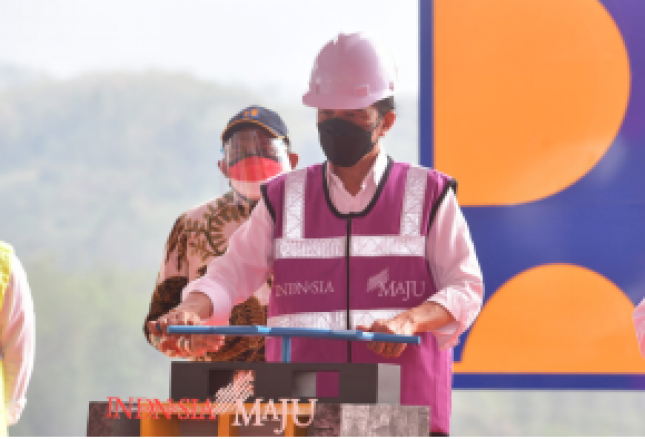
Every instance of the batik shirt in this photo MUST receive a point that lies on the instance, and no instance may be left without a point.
(198, 236)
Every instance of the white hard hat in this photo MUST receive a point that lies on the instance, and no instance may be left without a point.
(352, 71)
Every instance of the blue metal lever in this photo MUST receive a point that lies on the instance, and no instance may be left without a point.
(286, 349)
(287, 333)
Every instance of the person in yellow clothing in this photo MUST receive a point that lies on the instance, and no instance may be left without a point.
(17, 337)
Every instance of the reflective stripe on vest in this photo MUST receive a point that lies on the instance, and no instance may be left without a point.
(332, 319)
(409, 241)
(5, 268)
(5, 276)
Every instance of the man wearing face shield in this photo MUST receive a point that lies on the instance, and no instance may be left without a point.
(359, 242)
(255, 149)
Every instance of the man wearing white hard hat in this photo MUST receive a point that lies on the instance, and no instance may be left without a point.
(639, 324)
(358, 242)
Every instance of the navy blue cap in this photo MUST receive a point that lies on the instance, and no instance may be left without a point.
(256, 116)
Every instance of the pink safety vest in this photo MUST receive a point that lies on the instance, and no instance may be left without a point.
(336, 271)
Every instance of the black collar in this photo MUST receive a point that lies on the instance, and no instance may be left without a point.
(372, 203)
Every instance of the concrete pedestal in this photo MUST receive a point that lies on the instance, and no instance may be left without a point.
(329, 420)
(357, 383)
(367, 403)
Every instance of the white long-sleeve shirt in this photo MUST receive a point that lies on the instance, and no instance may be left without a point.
(17, 341)
(639, 323)
(451, 257)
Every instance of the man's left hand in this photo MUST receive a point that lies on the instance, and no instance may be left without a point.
(399, 325)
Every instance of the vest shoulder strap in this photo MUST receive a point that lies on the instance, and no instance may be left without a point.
(5, 268)
(293, 216)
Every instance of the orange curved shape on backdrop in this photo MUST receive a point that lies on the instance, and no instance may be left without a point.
(529, 95)
(556, 318)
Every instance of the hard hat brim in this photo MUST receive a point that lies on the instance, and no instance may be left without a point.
(329, 102)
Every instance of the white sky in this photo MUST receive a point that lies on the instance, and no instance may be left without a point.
(249, 42)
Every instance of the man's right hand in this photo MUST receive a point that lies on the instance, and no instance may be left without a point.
(194, 345)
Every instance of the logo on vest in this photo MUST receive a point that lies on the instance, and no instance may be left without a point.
(386, 288)
(300, 288)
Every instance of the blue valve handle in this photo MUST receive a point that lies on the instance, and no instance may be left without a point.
(287, 333)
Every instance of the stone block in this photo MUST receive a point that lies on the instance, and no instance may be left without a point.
(370, 420)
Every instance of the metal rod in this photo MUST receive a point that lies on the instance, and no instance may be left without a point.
(287, 333)
(351, 335)
(286, 349)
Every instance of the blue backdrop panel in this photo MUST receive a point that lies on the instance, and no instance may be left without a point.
(597, 223)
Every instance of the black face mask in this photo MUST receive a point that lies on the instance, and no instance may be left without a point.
(344, 143)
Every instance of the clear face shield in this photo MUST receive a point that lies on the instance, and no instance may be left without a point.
(252, 157)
